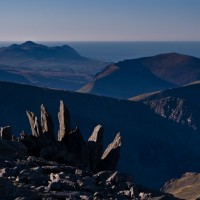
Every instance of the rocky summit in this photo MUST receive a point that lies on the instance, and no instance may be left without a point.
(39, 166)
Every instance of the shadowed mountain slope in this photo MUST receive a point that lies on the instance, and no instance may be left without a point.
(154, 149)
(125, 79)
(181, 104)
(143, 75)
(56, 67)
(173, 67)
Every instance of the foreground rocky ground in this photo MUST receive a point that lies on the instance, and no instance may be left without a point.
(37, 178)
(38, 166)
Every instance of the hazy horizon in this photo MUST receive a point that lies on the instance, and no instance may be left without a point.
(49, 20)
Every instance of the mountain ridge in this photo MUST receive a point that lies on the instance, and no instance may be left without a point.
(59, 67)
(144, 75)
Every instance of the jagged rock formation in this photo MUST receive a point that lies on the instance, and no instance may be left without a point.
(38, 166)
(70, 148)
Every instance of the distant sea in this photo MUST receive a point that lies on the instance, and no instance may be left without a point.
(116, 51)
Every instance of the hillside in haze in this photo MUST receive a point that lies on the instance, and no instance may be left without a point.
(154, 148)
(181, 104)
(143, 75)
(56, 67)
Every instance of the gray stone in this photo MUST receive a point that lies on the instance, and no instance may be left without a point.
(54, 177)
(5, 133)
(47, 123)
(95, 146)
(64, 122)
(35, 126)
(111, 155)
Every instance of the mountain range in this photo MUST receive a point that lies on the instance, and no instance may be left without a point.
(133, 77)
(155, 105)
(155, 149)
(59, 67)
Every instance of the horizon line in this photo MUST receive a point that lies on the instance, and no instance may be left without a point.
(101, 40)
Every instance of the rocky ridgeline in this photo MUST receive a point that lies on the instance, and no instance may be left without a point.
(38, 166)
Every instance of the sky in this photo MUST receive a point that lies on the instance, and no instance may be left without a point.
(100, 20)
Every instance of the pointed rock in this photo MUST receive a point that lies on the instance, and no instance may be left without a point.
(111, 155)
(46, 123)
(5, 133)
(95, 146)
(77, 146)
(35, 126)
(64, 122)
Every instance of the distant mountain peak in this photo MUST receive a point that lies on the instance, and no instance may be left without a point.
(30, 44)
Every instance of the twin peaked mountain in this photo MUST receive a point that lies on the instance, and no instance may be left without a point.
(70, 148)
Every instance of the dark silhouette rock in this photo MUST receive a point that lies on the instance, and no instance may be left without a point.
(110, 156)
(35, 126)
(46, 123)
(64, 122)
(5, 133)
(28, 141)
(77, 146)
(95, 146)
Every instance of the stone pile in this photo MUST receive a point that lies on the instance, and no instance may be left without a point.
(37, 178)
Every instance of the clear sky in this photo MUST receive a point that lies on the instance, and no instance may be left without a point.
(100, 20)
